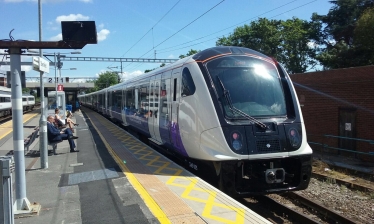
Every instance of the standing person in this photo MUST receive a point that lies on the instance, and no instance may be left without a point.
(55, 135)
(77, 105)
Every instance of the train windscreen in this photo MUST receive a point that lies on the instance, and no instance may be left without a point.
(252, 85)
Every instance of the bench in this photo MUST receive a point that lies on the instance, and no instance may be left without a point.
(30, 139)
(54, 146)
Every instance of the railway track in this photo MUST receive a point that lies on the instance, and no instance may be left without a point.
(293, 207)
(9, 117)
(302, 210)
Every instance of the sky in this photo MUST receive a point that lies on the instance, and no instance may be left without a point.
(161, 29)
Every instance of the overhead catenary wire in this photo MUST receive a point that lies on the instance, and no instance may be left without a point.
(151, 29)
(186, 26)
(182, 28)
(162, 50)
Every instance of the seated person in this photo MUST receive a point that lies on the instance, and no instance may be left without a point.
(55, 135)
(69, 120)
(60, 123)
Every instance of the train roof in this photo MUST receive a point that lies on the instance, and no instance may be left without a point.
(200, 56)
(226, 50)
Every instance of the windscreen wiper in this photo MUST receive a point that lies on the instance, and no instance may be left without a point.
(236, 110)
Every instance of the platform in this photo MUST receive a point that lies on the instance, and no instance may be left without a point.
(115, 178)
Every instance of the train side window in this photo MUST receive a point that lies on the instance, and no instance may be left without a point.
(130, 100)
(188, 85)
(24, 99)
(144, 98)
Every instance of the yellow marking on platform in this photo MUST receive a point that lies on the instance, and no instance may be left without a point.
(148, 200)
(155, 161)
(9, 124)
(209, 203)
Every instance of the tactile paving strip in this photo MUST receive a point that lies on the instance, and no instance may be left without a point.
(154, 171)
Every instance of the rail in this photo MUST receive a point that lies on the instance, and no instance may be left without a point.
(326, 138)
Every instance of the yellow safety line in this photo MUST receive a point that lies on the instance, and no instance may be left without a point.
(10, 131)
(148, 200)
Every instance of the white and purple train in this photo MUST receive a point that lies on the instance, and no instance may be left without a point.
(230, 108)
(28, 103)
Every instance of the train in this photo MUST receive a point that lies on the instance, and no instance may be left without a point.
(230, 112)
(28, 103)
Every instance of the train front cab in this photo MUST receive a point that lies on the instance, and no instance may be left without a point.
(261, 122)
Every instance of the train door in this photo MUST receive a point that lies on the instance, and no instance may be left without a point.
(123, 108)
(109, 102)
(175, 97)
(106, 102)
(154, 107)
(165, 107)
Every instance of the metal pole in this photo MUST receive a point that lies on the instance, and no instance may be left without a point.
(7, 168)
(21, 202)
(121, 73)
(59, 64)
(2, 208)
(43, 146)
(59, 67)
(55, 76)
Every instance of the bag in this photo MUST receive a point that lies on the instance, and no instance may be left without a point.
(59, 122)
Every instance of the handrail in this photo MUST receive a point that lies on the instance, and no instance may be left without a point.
(357, 139)
(326, 146)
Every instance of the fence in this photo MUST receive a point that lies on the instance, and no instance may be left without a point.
(6, 198)
(352, 147)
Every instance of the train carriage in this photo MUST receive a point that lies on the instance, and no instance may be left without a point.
(230, 108)
(5, 104)
(28, 103)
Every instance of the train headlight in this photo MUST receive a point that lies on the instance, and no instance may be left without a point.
(237, 140)
(294, 137)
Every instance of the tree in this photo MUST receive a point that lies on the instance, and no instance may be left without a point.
(286, 41)
(364, 33)
(297, 54)
(105, 80)
(262, 35)
(26, 90)
(191, 52)
(336, 37)
(149, 70)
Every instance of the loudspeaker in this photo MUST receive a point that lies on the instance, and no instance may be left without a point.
(79, 31)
